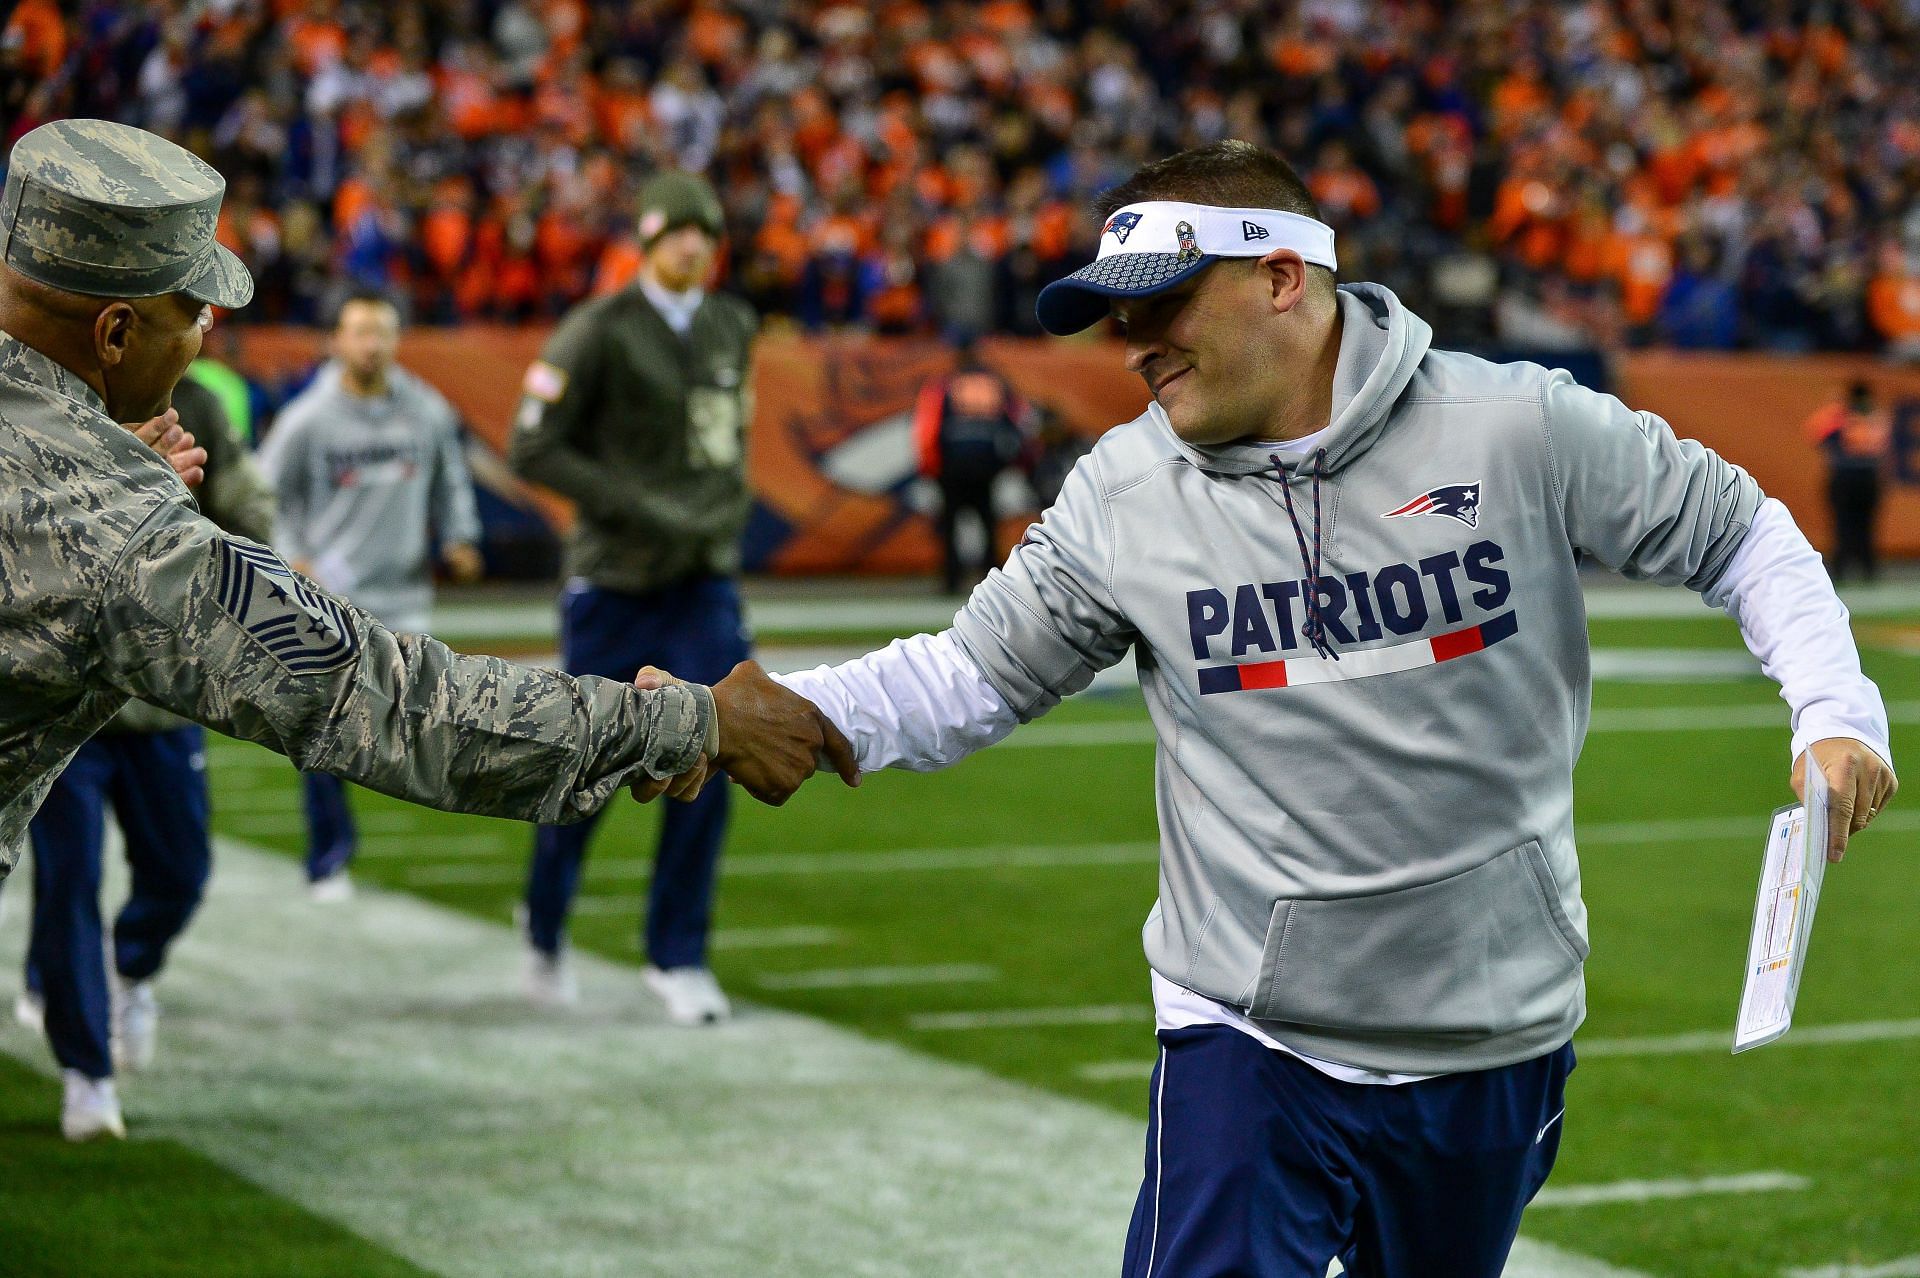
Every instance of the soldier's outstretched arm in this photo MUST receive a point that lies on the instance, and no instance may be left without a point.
(220, 630)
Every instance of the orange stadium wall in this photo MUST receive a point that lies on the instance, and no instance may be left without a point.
(827, 448)
(1751, 408)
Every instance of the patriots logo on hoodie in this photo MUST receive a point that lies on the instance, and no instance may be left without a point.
(1455, 501)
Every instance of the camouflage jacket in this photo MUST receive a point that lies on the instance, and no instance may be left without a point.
(234, 495)
(112, 585)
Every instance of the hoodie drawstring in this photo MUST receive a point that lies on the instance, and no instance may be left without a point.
(1315, 630)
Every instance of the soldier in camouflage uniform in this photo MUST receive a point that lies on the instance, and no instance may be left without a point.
(636, 411)
(151, 766)
(112, 585)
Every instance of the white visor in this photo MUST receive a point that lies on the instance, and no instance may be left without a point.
(1148, 247)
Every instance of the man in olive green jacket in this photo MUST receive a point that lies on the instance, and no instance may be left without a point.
(636, 411)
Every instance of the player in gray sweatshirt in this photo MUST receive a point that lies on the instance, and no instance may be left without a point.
(1346, 563)
(367, 467)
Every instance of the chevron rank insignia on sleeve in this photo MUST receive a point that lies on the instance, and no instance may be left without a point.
(306, 631)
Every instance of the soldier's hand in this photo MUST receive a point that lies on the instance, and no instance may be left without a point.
(771, 739)
(1859, 784)
(463, 562)
(687, 786)
(164, 435)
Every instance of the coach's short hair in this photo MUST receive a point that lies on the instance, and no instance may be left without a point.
(1232, 174)
(1229, 174)
(364, 295)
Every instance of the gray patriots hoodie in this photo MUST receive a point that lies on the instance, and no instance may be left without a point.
(1368, 672)
(363, 483)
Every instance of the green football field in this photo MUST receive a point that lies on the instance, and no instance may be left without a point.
(989, 916)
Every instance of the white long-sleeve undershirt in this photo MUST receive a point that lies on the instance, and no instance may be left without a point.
(1777, 589)
(921, 703)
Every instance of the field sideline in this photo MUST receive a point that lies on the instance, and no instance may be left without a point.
(987, 918)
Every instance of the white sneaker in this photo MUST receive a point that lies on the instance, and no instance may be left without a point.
(90, 1109)
(335, 889)
(548, 979)
(691, 994)
(31, 1011)
(136, 1024)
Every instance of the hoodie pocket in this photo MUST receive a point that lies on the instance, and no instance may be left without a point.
(1482, 953)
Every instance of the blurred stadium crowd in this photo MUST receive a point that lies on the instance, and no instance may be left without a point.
(1701, 173)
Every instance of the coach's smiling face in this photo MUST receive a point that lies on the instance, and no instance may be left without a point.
(1229, 352)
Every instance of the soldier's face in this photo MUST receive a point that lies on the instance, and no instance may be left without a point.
(367, 338)
(144, 347)
(682, 258)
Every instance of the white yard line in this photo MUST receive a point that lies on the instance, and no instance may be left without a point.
(1716, 718)
(1035, 1017)
(1004, 856)
(1646, 1191)
(375, 1065)
(259, 825)
(1721, 1040)
(752, 865)
(489, 842)
(774, 938)
(590, 904)
(1673, 665)
(1055, 736)
(1613, 598)
(848, 978)
(1900, 820)
(1115, 1071)
(1905, 1267)
(251, 799)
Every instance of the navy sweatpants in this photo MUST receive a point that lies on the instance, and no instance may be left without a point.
(157, 783)
(695, 631)
(1260, 1166)
(332, 837)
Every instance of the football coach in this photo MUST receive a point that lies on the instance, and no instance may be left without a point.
(1347, 563)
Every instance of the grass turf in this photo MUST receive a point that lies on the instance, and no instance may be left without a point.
(149, 1207)
(1668, 921)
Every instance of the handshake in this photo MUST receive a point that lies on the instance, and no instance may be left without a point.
(771, 740)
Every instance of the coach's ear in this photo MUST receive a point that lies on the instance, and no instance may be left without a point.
(1286, 275)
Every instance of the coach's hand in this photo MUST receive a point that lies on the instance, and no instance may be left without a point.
(771, 739)
(164, 436)
(1859, 783)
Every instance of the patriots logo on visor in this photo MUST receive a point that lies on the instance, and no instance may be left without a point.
(1455, 501)
(1120, 225)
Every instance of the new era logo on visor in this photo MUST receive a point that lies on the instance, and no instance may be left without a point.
(1455, 501)
(1252, 231)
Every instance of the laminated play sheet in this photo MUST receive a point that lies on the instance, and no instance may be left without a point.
(1790, 876)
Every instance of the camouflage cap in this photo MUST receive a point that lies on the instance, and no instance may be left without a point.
(109, 210)
(674, 198)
